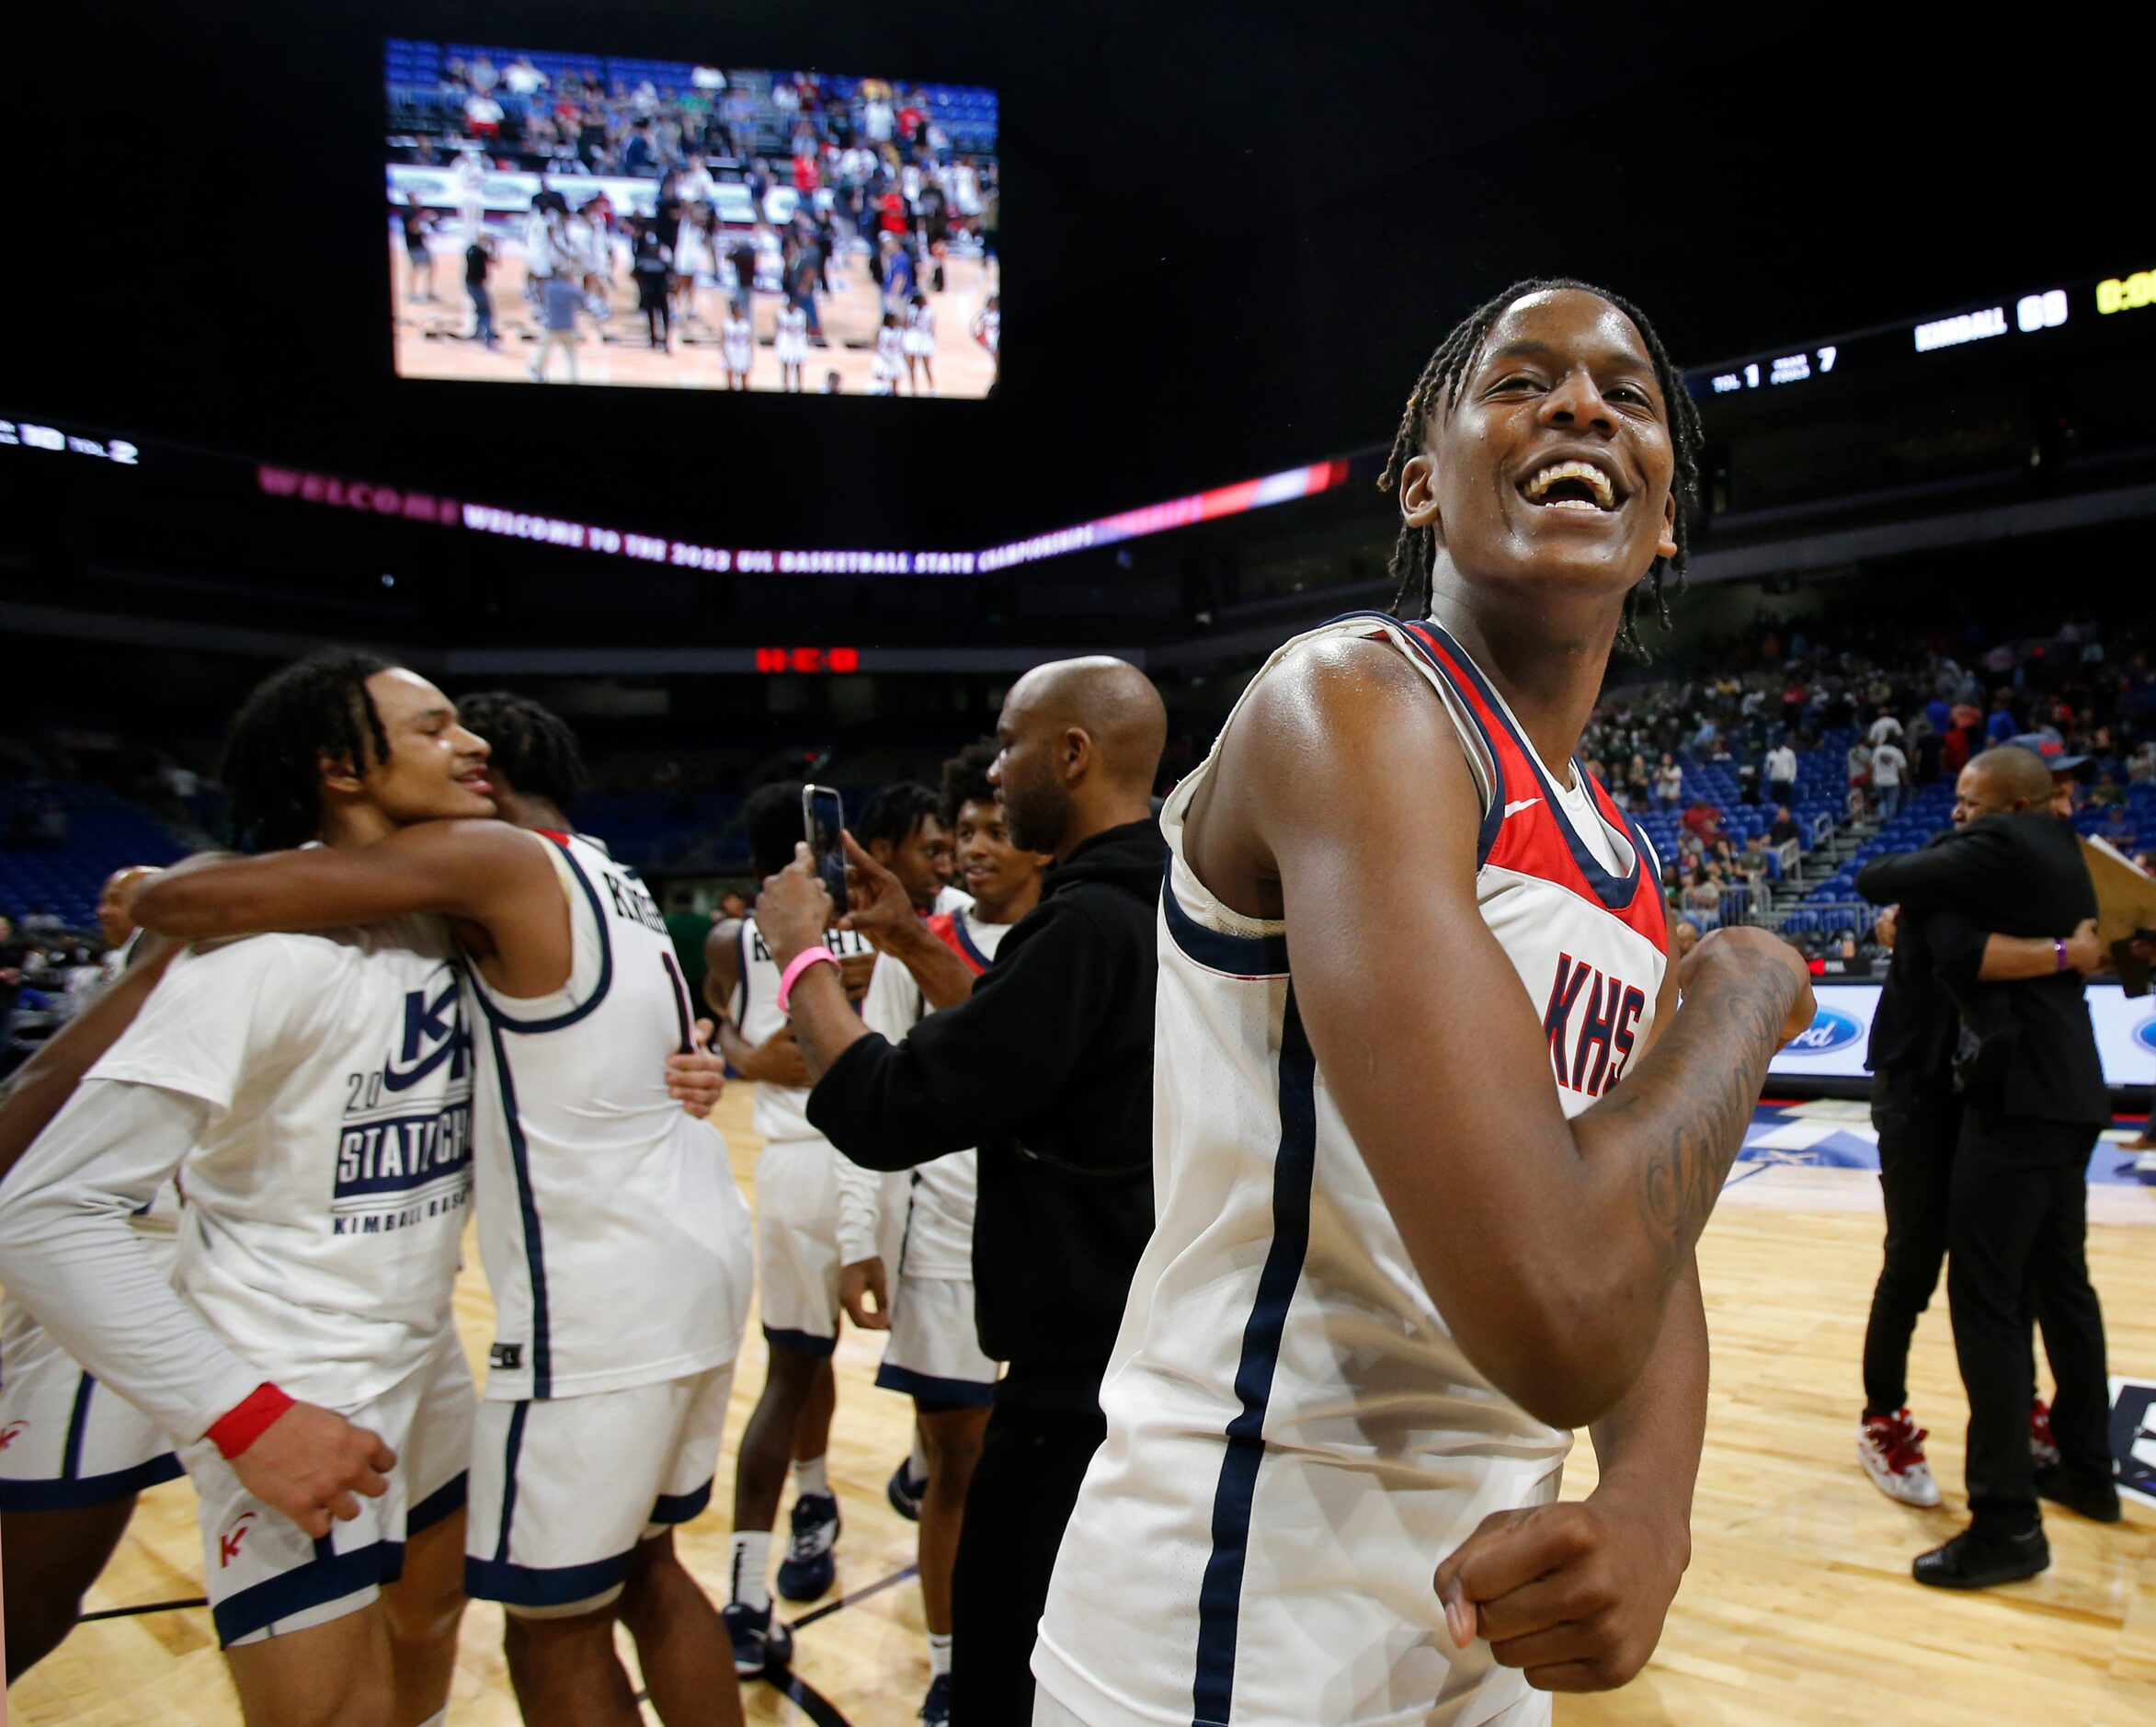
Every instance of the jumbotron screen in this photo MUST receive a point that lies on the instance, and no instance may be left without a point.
(598, 219)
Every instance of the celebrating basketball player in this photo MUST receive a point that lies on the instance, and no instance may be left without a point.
(798, 1257)
(1429, 1201)
(303, 1353)
(616, 1243)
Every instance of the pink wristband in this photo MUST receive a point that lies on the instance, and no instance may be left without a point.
(802, 961)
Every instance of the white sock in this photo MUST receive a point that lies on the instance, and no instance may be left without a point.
(749, 1568)
(938, 1655)
(808, 1477)
(917, 1459)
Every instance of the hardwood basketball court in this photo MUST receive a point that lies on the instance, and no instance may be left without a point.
(432, 338)
(1798, 1606)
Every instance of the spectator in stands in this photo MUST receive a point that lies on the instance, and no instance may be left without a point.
(1670, 781)
(482, 117)
(2002, 724)
(879, 120)
(2107, 791)
(1924, 744)
(43, 921)
(1751, 867)
(522, 78)
(1884, 729)
(1782, 829)
(2140, 767)
(1639, 781)
(1889, 767)
(1859, 765)
(1781, 772)
(1705, 821)
(1701, 897)
(1848, 960)
(732, 905)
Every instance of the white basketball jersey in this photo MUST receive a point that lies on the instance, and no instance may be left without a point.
(780, 1112)
(616, 1243)
(1295, 1441)
(939, 1196)
(329, 1191)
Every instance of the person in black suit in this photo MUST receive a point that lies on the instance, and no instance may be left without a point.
(1991, 898)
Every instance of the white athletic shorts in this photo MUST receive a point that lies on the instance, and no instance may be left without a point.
(1533, 1710)
(67, 1441)
(562, 1488)
(267, 1576)
(797, 1244)
(934, 1353)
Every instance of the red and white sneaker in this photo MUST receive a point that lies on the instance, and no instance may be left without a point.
(2043, 1448)
(1891, 1449)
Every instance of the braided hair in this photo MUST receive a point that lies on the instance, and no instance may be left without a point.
(532, 745)
(313, 713)
(965, 781)
(895, 812)
(1414, 552)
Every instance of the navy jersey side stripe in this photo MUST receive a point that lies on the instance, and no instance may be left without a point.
(512, 1449)
(606, 965)
(679, 984)
(1293, 1175)
(1232, 955)
(78, 1420)
(528, 1207)
(971, 948)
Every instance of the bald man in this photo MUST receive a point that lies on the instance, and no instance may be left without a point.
(1047, 1067)
(2005, 900)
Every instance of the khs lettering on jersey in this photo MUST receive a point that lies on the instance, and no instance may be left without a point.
(396, 1168)
(12, 1432)
(228, 1544)
(1589, 1052)
(633, 902)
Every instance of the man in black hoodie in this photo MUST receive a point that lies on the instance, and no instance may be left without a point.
(1048, 1067)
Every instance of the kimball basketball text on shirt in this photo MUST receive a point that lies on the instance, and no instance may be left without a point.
(395, 1167)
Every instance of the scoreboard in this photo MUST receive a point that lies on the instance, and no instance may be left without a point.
(2029, 317)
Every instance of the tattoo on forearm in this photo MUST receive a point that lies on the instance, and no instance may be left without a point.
(1707, 1069)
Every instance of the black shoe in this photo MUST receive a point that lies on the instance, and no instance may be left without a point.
(1975, 1559)
(2095, 1499)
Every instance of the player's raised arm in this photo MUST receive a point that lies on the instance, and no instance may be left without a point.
(1551, 1247)
(449, 867)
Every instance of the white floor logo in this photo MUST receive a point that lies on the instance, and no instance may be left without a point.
(2133, 1437)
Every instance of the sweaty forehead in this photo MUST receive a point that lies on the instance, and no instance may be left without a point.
(1570, 322)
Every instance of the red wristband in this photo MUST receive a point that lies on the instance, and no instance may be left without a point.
(243, 1424)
